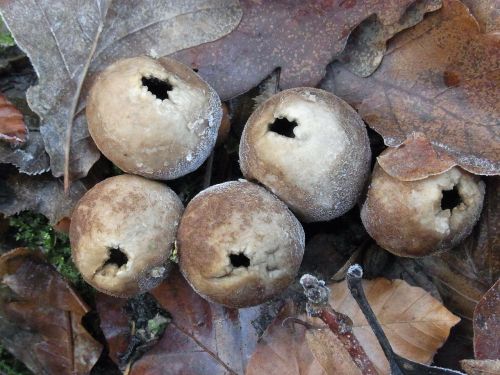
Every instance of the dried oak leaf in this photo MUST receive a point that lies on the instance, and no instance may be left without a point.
(440, 78)
(300, 37)
(464, 274)
(415, 323)
(202, 338)
(43, 194)
(487, 325)
(69, 42)
(40, 317)
(415, 159)
(13, 130)
(481, 366)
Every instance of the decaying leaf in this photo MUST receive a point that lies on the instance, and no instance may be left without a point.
(481, 367)
(300, 37)
(465, 273)
(487, 325)
(40, 317)
(415, 323)
(202, 338)
(415, 159)
(42, 194)
(440, 78)
(487, 13)
(13, 130)
(367, 43)
(68, 42)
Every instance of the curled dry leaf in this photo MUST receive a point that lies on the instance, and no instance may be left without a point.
(300, 37)
(415, 323)
(12, 127)
(202, 338)
(440, 78)
(487, 325)
(415, 159)
(42, 194)
(69, 42)
(481, 367)
(40, 317)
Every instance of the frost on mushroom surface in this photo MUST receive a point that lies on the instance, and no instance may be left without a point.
(122, 232)
(155, 118)
(418, 218)
(311, 149)
(238, 244)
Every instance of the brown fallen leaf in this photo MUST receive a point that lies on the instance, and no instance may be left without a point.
(487, 13)
(415, 159)
(69, 42)
(40, 317)
(481, 367)
(202, 338)
(43, 194)
(440, 78)
(415, 323)
(487, 325)
(300, 37)
(12, 127)
(465, 273)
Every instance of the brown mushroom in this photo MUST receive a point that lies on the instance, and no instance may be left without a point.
(422, 217)
(238, 244)
(122, 232)
(154, 118)
(311, 149)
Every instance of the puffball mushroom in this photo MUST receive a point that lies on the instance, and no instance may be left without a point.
(238, 244)
(153, 117)
(418, 218)
(311, 149)
(122, 233)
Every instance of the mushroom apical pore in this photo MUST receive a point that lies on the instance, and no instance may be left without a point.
(238, 244)
(422, 217)
(122, 233)
(311, 149)
(154, 118)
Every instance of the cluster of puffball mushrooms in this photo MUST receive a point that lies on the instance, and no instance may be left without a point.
(303, 150)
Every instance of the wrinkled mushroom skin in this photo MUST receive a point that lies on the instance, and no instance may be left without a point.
(122, 233)
(319, 167)
(239, 245)
(419, 218)
(154, 118)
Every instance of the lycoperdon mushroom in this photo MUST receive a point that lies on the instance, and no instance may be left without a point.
(153, 117)
(238, 244)
(122, 233)
(422, 217)
(311, 149)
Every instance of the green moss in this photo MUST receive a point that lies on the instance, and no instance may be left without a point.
(9, 365)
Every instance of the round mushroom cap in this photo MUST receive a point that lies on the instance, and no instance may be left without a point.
(154, 118)
(419, 218)
(311, 149)
(238, 244)
(122, 233)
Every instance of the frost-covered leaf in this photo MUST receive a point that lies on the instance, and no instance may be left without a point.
(68, 42)
(41, 317)
(440, 78)
(43, 194)
(300, 37)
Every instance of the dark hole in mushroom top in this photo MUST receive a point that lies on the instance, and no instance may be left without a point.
(451, 199)
(283, 127)
(116, 256)
(239, 260)
(157, 87)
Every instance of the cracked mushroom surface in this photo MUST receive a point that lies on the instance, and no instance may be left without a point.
(122, 233)
(155, 118)
(311, 149)
(238, 244)
(419, 218)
